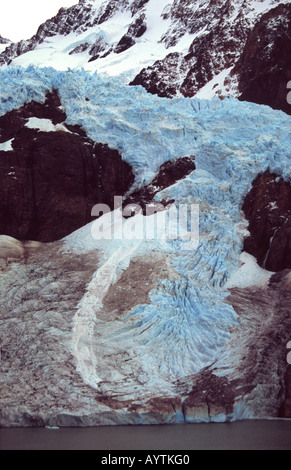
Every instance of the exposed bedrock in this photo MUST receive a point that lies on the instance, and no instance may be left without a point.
(168, 174)
(4, 40)
(258, 53)
(264, 68)
(52, 174)
(258, 348)
(267, 207)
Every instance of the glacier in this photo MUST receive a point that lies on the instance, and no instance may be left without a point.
(186, 325)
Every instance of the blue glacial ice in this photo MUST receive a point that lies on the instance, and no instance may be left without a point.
(187, 323)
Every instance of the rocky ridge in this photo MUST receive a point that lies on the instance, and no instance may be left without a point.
(3, 40)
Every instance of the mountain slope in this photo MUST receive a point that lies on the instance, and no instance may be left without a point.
(171, 47)
(138, 330)
(217, 60)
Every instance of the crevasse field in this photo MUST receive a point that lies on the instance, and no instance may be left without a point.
(233, 142)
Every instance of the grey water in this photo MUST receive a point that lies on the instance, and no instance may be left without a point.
(244, 435)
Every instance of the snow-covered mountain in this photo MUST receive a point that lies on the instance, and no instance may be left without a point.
(171, 47)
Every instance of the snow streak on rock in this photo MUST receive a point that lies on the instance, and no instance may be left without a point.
(84, 338)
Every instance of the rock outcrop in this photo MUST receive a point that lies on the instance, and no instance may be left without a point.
(261, 340)
(135, 30)
(267, 207)
(52, 174)
(4, 41)
(168, 174)
(219, 36)
(254, 46)
(264, 68)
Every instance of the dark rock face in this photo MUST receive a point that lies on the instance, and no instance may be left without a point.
(264, 68)
(51, 180)
(81, 48)
(267, 207)
(161, 78)
(100, 45)
(109, 9)
(226, 40)
(137, 5)
(264, 331)
(169, 173)
(210, 396)
(279, 256)
(173, 171)
(260, 54)
(135, 30)
(95, 50)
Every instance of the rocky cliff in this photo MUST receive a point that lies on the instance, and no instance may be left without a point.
(264, 68)
(52, 174)
(267, 207)
(238, 55)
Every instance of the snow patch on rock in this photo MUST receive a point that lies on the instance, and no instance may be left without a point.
(45, 125)
(6, 146)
